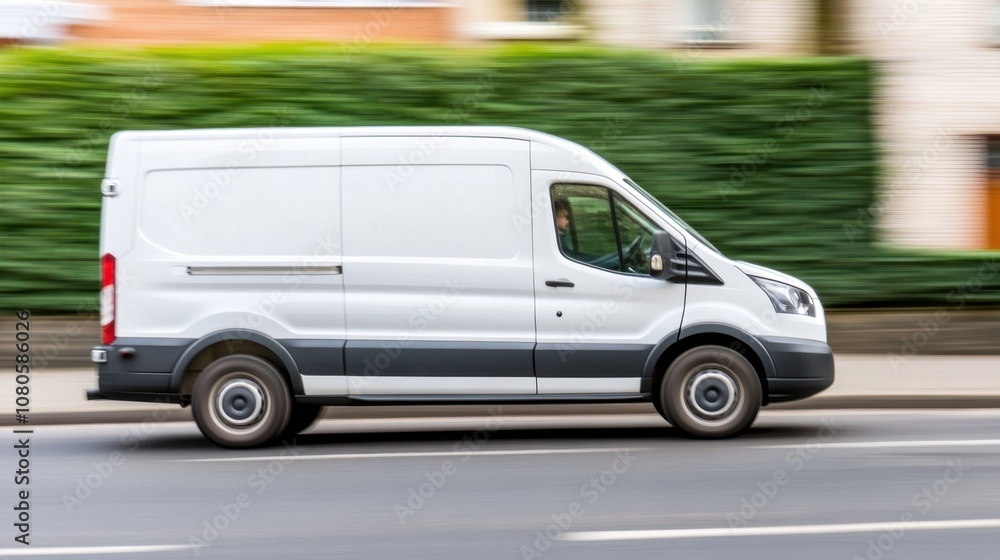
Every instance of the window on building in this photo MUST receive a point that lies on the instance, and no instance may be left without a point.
(996, 21)
(707, 21)
(831, 27)
(993, 192)
(524, 20)
(993, 154)
(547, 10)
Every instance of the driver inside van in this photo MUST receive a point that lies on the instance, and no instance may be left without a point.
(562, 225)
(564, 220)
(566, 228)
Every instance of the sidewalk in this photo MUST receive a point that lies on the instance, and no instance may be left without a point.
(863, 381)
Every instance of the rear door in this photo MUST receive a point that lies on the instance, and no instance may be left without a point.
(235, 231)
(233, 239)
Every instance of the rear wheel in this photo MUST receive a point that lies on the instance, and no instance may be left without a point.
(241, 401)
(710, 392)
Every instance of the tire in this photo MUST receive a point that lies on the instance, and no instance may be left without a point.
(241, 401)
(303, 416)
(658, 405)
(711, 392)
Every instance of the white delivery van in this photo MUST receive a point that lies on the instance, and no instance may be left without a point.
(257, 275)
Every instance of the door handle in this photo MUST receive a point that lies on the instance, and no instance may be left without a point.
(559, 284)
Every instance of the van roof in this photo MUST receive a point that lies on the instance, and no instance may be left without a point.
(510, 132)
(583, 158)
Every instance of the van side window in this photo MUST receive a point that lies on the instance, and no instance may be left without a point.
(635, 232)
(599, 228)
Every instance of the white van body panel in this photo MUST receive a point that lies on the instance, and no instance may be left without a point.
(118, 220)
(432, 251)
(434, 385)
(382, 262)
(325, 385)
(550, 153)
(211, 212)
(588, 385)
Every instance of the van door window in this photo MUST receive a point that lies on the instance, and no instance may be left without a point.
(597, 228)
(636, 234)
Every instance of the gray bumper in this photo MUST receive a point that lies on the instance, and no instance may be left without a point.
(137, 369)
(802, 367)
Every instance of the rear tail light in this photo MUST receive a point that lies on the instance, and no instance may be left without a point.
(107, 299)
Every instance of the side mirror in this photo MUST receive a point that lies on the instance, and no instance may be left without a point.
(667, 261)
(670, 261)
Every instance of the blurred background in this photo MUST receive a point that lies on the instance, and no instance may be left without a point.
(854, 144)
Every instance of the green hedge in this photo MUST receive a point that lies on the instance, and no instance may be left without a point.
(773, 160)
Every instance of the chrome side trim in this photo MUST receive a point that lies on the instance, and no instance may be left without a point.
(263, 270)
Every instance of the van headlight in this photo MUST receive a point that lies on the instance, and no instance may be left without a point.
(787, 299)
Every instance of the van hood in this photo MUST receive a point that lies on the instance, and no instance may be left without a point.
(751, 269)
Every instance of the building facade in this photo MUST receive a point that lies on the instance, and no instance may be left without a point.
(157, 22)
(938, 118)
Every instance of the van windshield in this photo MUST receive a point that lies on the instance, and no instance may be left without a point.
(687, 228)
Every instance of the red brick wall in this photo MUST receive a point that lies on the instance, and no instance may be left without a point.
(170, 22)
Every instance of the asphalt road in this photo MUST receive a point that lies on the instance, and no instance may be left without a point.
(802, 484)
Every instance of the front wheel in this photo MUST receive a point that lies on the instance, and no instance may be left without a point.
(241, 401)
(711, 392)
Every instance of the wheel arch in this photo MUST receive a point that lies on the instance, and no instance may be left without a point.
(702, 335)
(229, 342)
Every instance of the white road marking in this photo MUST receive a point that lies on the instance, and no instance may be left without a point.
(78, 550)
(290, 457)
(782, 530)
(881, 444)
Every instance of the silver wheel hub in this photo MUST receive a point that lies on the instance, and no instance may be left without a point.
(240, 402)
(711, 394)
